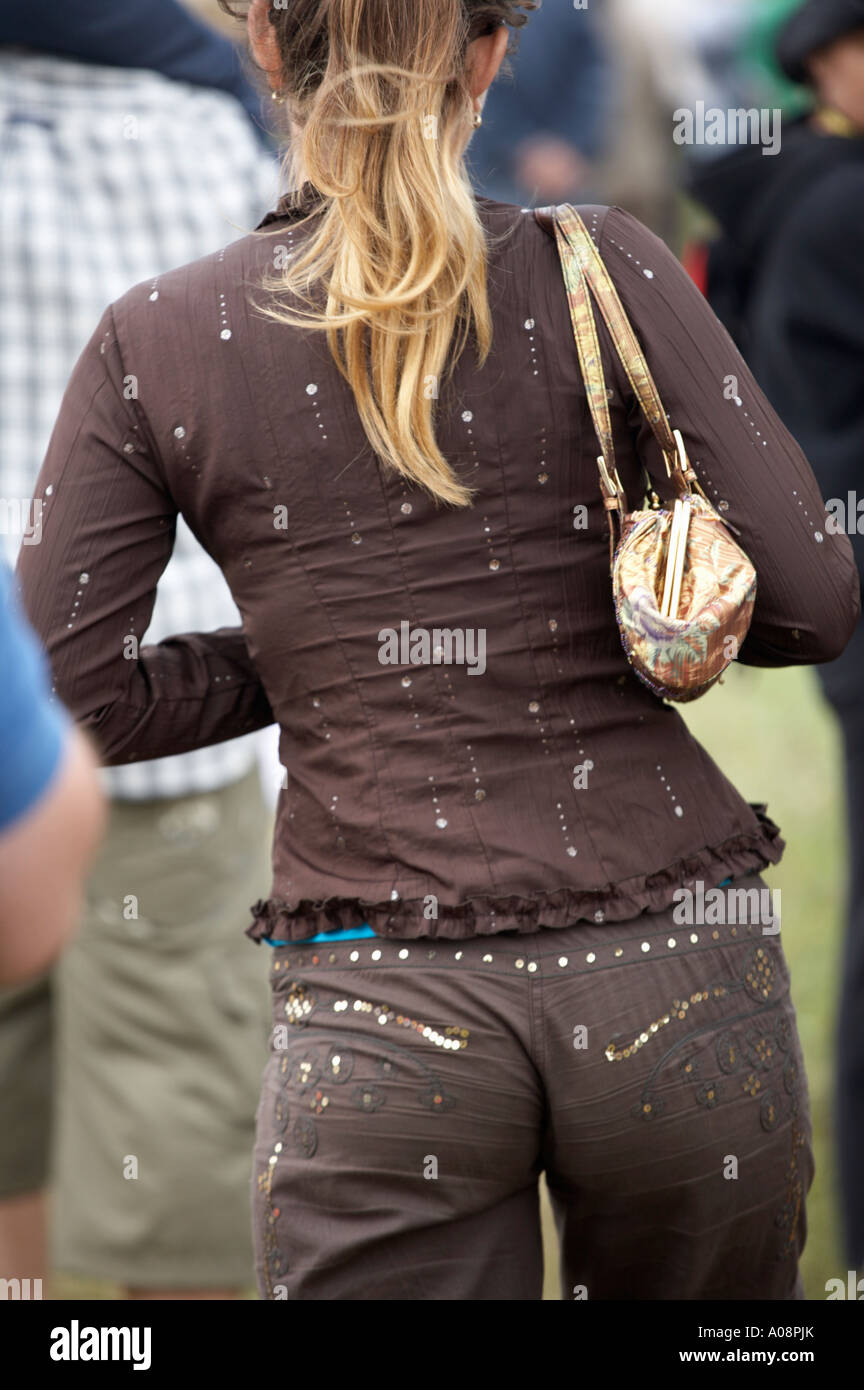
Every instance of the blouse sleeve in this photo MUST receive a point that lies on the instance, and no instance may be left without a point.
(107, 531)
(808, 591)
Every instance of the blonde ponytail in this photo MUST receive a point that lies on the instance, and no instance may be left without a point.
(395, 267)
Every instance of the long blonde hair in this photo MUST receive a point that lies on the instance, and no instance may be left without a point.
(395, 268)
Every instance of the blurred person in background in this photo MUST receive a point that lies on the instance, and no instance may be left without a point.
(121, 160)
(160, 35)
(448, 906)
(759, 57)
(787, 278)
(665, 57)
(544, 129)
(52, 813)
(713, 32)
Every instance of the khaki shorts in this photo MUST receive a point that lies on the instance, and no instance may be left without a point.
(156, 1026)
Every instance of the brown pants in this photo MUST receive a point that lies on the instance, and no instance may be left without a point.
(416, 1090)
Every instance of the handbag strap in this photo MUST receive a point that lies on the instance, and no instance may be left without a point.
(585, 274)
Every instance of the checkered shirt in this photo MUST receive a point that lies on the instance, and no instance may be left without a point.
(109, 177)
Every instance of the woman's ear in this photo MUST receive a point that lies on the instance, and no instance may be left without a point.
(486, 55)
(263, 42)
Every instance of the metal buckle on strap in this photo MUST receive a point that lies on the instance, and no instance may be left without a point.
(679, 462)
(611, 484)
(687, 471)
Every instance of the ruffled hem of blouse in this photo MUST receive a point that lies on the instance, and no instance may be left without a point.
(486, 915)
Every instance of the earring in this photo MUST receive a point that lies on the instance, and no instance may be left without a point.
(278, 98)
(478, 120)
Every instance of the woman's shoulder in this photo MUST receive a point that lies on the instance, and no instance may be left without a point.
(632, 253)
(202, 294)
(610, 224)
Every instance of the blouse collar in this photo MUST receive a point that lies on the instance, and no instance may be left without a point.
(306, 199)
(300, 202)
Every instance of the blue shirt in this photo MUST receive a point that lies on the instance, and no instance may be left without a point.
(33, 729)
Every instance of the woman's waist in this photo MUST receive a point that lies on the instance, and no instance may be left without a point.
(602, 806)
(469, 892)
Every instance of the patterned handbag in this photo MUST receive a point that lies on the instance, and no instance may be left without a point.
(683, 589)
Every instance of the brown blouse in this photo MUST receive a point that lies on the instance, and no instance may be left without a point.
(426, 799)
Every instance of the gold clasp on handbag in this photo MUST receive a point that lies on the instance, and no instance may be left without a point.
(675, 558)
(678, 462)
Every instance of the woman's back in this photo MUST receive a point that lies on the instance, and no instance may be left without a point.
(466, 748)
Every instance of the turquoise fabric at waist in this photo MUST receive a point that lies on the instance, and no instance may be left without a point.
(351, 933)
(346, 934)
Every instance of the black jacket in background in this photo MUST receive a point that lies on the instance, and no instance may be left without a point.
(787, 279)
